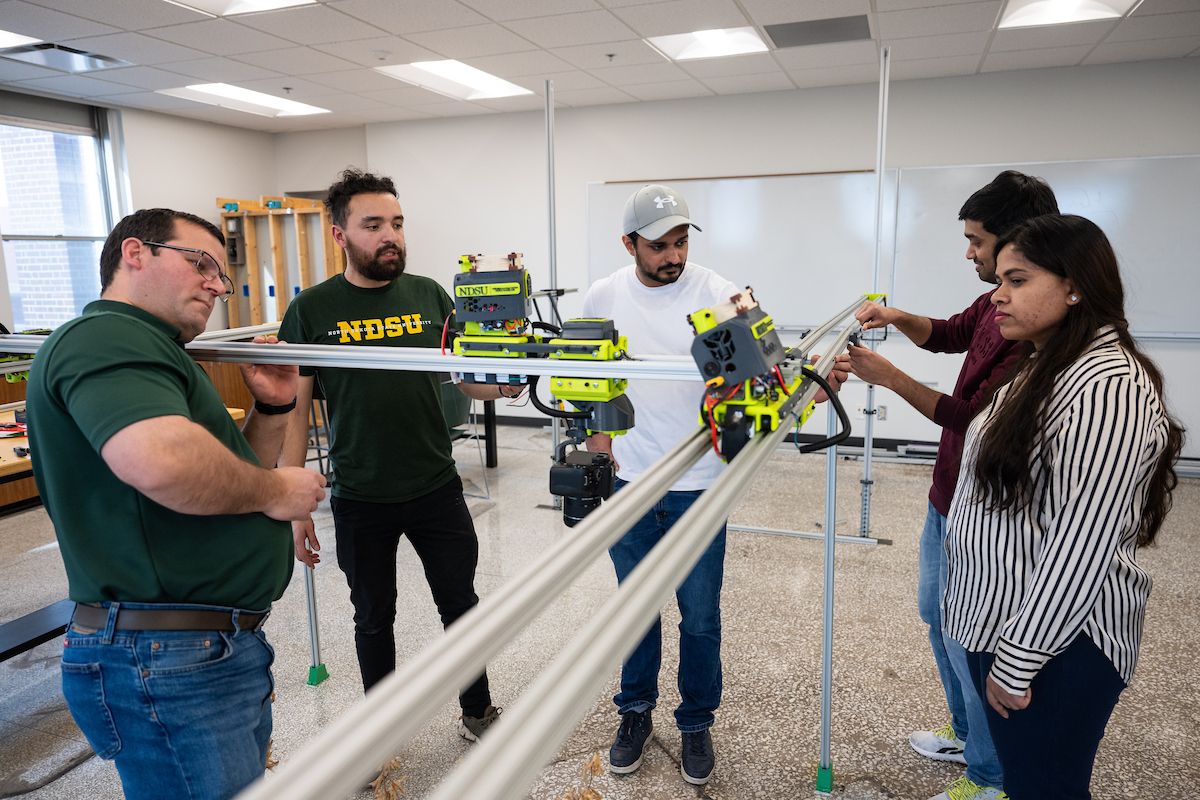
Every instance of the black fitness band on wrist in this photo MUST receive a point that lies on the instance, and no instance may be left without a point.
(265, 408)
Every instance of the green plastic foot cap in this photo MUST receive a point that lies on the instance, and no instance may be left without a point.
(317, 674)
(825, 780)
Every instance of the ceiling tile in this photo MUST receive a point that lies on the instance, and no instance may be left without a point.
(591, 56)
(144, 77)
(775, 12)
(593, 97)
(1051, 36)
(403, 95)
(77, 86)
(452, 108)
(413, 16)
(838, 54)
(151, 100)
(344, 103)
(963, 18)
(904, 5)
(753, 63)
(945, 46)
(357, 81)
(641, 73)
(132, 15)
(476, 40)
(668, 90)
(1156, 26)
(512, 65)
(380, 52)
(392, 115)
(563, 81)
(767, 82)
(1148, 7)
(220, 37)
(935, 67)
(1112, 52)
(47, 24)
(835, 76)
(310, 25)
(623, 3)
(301, 89)
(584, 27)
(1035, 59)
(524, 102)
(218, 70)
(682, 16)
(20, 71)
(137, 48)
(296, 61)
(501, 10)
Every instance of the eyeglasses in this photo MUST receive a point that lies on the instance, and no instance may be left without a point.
(205, 264)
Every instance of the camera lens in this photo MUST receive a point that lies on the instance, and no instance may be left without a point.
(576, 508)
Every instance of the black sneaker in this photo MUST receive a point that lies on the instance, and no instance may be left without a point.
(697, 759)
(625, 755)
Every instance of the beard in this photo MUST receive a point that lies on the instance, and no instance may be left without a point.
(371, 266)
(663, 275)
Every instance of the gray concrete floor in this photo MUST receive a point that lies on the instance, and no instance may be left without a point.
(767, 734)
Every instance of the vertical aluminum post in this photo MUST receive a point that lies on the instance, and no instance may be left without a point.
(825, 765)
(552, 260)
(885, 69)
(316, 669)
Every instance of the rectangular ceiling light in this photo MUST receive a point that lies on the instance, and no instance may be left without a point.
(453, 79)
(10, 39)
(1031, 13)
(239, 99)
(224, 8)
(61, 57)
(708, 44)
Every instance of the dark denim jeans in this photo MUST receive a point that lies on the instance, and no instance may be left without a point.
(439, 527)
(699, 599)
(182, 713)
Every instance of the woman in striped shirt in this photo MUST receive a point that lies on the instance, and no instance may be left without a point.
(1067, 471)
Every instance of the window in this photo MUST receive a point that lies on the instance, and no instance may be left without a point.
(54, 217)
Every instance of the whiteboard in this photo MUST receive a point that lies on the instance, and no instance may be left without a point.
(806, 243)
(1148, 207)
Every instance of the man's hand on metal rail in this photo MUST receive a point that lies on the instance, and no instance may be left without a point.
(838, 374)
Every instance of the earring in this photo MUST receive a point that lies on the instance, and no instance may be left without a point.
(1074, 298)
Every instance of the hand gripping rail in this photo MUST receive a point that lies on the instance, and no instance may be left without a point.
(508, 760)
(349, 751)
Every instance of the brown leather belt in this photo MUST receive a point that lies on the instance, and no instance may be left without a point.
(165, 619)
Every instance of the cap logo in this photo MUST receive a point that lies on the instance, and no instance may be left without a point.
(660, 202)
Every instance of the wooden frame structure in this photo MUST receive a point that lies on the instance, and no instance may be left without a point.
(275, 209)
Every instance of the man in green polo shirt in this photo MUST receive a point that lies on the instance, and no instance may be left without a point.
(393, 473)
(172, 523)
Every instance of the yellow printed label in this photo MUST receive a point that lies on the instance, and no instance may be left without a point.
(487, 290)
(762, 327)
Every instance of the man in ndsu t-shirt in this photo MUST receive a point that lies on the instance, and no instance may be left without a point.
(393, 473)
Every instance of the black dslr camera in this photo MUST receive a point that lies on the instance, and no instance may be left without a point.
(582, 480)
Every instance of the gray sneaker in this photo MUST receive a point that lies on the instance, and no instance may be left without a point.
(471, 728)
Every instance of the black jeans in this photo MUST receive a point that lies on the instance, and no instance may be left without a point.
(1048, 749)
(439, 527)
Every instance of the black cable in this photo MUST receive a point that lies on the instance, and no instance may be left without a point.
(547, 410)
(843, 418)
(545, 326)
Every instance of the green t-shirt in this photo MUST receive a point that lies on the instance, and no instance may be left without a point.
(387, 436)
(99, 373)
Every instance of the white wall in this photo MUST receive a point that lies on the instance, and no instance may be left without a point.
(308, 162)
(477, 184)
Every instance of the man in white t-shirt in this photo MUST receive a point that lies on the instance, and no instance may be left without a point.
(649, 301)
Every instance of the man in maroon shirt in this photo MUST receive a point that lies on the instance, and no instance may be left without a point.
(1010, 198)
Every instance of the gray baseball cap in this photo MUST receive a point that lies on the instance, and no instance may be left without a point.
(654, 210)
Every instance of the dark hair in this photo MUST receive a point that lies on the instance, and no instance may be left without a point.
(633, 237)
(1012, 197)
(351, 182)
(148, 225)
(1076, 249)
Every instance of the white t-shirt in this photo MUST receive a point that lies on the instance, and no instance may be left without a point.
(655, 322)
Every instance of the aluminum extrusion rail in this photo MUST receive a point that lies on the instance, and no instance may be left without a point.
(506, 762)
(348, 751)
(412, 359)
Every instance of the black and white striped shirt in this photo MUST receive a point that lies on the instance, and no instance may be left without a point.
(1024, 583)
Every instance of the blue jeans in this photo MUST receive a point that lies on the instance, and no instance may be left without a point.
(184, 714)
(967, 713)
(1049, 747)
(699, 599)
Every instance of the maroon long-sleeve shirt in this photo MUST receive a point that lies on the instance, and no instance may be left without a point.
(990, 357)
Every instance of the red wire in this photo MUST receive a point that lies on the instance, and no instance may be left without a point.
(445, 327)
(782, 382)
